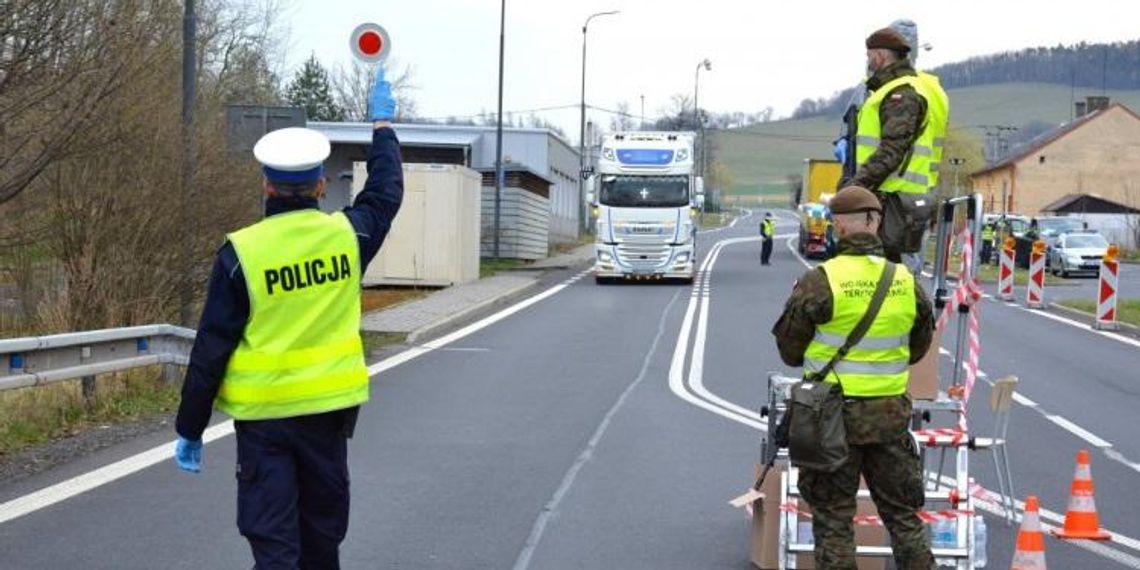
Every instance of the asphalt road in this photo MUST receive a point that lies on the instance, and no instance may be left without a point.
(598, 427)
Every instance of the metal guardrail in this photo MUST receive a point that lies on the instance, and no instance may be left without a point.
(39, 360)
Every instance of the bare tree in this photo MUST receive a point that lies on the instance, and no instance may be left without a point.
(353, 84)
(622, 121)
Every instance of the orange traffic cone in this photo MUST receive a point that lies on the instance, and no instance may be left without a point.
(1081, 521)
(1030, 552)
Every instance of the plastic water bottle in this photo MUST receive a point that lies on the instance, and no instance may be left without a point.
(944, 534)
(979, 542)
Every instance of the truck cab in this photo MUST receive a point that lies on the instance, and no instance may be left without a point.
(645, 196)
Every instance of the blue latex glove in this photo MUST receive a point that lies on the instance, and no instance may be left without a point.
(381, 103)
(188, 455)
(840, 150)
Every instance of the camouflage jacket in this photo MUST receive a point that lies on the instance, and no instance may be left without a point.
(810, 304)
(901, 115)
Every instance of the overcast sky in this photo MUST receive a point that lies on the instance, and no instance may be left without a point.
(763, 52)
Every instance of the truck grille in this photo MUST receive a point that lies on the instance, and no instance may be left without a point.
(643, 255)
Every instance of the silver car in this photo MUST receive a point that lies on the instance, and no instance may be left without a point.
(1077, 252)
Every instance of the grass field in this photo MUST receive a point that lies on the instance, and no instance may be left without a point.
(760, 159)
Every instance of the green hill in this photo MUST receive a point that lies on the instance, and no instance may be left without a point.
(761, 158)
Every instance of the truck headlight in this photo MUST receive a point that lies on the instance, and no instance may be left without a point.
(682, 258)
(605, 257)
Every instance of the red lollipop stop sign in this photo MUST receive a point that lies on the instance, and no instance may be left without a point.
(370, 43)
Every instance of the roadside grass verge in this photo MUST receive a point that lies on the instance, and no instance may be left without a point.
(1127, 310)
(489, 266)
(38, 414)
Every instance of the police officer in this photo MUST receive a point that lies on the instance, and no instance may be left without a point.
(900, 129)
(989, 236)
(824, 307)
(767, 234)
(279, 349)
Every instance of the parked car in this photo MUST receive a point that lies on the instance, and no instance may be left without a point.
(1013, 223)
(1077, 252)
(1051, 228)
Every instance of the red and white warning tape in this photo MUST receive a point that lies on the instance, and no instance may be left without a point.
(874, 520)
(967, 293)
(943, 437)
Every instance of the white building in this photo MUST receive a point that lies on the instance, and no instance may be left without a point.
(539, 150)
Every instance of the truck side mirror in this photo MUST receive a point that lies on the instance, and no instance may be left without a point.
(699, 186)
(701, 201)
(591, 184)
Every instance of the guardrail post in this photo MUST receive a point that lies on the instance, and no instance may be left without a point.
(87, 382)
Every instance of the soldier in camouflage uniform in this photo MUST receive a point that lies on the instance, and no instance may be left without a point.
(902, 114)
(881, 447)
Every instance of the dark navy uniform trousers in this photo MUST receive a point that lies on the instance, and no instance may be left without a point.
(293, 490)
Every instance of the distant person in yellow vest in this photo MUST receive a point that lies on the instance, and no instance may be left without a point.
(825, 305)
(989, 237)
(900, 134)
(278, 346)
(767, 234)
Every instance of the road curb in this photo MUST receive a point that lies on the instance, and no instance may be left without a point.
(445, 322)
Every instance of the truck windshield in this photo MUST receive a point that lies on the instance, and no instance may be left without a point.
(645, 191)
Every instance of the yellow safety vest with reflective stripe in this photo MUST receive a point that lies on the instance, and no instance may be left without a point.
(938, 117)
(301, 351)
(879, 365)
(923, 160)
(987, 233)
(767, 227)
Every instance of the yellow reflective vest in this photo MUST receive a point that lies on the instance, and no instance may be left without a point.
(920, 171)
(879, 365)
(767, 228)
(301, 351)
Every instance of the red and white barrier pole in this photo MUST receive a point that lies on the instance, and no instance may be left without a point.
(1035, 292)
(1005, 270)
(1106, 297)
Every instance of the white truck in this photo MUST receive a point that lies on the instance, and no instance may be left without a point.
(645, 195)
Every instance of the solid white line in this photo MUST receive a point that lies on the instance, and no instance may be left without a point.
(551, 509)
(1078, 431)
(79, 484)
(797, 253)
(696, 366)
(680, 352)
(1082, 326)
(82, 483)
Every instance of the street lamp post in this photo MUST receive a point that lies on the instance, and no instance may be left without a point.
(582, 217)
(707, 65)
(499, 131)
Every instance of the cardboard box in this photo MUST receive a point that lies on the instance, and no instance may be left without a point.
(766, 528)
(924, 374)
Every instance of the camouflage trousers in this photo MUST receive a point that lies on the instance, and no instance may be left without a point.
(883, 452)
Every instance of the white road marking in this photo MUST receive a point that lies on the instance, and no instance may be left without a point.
(64, 490)
(79, 484)
(729, 410)
(797, 253)
(1078, 431)
(551, 509)
(1107, 334)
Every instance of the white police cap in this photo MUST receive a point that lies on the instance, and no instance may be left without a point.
(293, 155)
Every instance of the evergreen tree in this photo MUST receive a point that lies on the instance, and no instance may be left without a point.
(310, 89)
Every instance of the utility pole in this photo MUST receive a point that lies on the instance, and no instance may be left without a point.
(499, 129)
(705, 63)
(189, 79)
(583, 220)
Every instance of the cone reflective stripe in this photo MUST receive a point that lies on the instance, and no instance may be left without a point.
(1081, 520)
(1035, 292)
(1030, 551)
(1106, 298)
(1005, 275)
